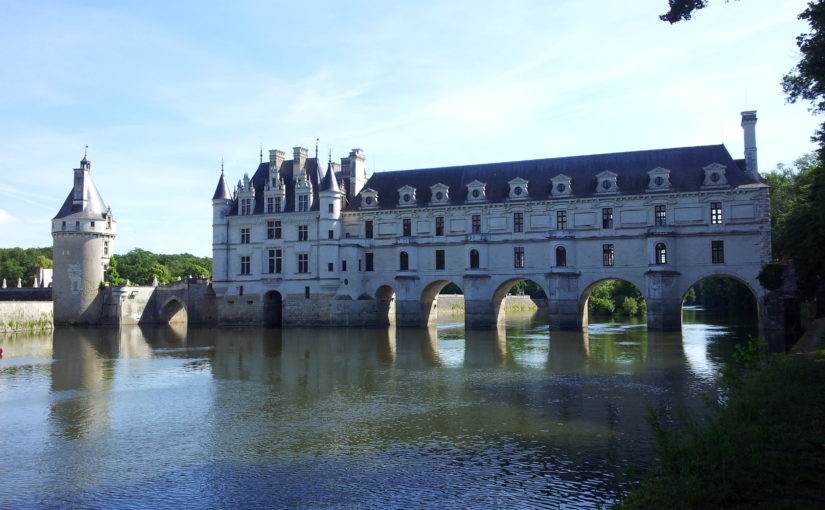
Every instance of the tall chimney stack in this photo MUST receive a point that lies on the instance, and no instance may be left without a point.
(749, 128)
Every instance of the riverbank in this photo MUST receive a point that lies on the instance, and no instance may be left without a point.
(764, 449)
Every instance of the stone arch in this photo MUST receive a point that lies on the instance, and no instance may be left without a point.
(385, 304)
(497, 300)
(758, 304)
(429, 301)
(174, 311)
(273, 308)
(588, 291)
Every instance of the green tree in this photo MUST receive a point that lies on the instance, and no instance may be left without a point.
(23, 264)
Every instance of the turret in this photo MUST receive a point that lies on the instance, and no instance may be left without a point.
(221, 206)
(83, 232)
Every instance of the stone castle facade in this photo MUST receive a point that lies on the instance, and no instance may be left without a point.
(304, 242)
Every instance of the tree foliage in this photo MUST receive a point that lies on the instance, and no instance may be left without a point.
(617, 297)
(682, 10)
(141, 267)
(23, 263)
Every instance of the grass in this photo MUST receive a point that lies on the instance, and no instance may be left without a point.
(764, 448)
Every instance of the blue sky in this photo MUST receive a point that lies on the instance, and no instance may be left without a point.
(163, 91)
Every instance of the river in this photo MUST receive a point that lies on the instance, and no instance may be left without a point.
(519, 417)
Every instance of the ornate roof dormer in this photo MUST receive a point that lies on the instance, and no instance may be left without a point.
(439, 194)
(246, 196)
(715, 176)
(560, 186)
(303, 189)
(607, 183)
(406, 196)
(369, 198)
(476, 192)
(518, 189)
(658, 179)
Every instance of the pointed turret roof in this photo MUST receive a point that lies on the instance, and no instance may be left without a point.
(330, 183)
(88, 204)
(222, 191)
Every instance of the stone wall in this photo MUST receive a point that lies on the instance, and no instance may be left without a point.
(26, 294)
(25, 315)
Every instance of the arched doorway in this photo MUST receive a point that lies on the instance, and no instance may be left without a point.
(518, 295)
(173, 312)
(273, 308)
(613, 300)
(442, 302)
(385, 303)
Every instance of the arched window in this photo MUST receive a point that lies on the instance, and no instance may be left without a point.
(661, 253)
(473, 259)
(561, 256)
(403, 261)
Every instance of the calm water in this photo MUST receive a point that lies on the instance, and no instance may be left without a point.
(522, 417)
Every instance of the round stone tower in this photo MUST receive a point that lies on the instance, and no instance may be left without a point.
(83, 232)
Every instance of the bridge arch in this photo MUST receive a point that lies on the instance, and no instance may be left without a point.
(584, 300)
(758, 305)
(501, 292)
(385, 298)
(273, 305)
(429, 301)
(174, 311)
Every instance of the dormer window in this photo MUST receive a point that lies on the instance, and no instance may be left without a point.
(406, 196)
(715, 176)
(606, 183)
(439, 194)
(303, 203)
(476, 191)
(369, 199)
(658, 179)
(560, 186)
(518, 189)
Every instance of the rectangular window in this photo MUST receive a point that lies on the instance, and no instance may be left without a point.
(660, 213)
(277, 204)
(368, 263)
(245, 265)
(439, 225)
(330, 234)
(518, 222)
(368, 233)
(270, 204)
(105, 247)
(607, 217)
(344, 265)
(303, 233)
(108, 224)
(244, 236)
(92, 224)
(77, 225)
(63, 227)
(476, 223)
(270, 229)
(330, 267)
(246, 206)
(518, 257)
(717, 252)
(303, 203)
(275, 261)
(332, 208)
(406, 227)
(306, 292)
(439, 259)
(561, 220)
(716, 213)
(608, 255)
(303, 262)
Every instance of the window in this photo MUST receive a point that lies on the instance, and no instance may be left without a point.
(108, 224)
(717, 252)
(607, 217)
(368, 233)
(561, 220)
(92, 224)
(476, 223)
(561, 256)
(344, 265)
(331, 208)
(306, 292)
(303, 262)
(608, 255)
(439, 225)
(63, 227)
(439, 259)
(270, 204)
(518, 222)
(270, 229)
(303, 203)
(77, 225)
(277, 204)
(330, 266)
(275, 261)
(661, 253)
(660, 214)
(403, 261)
(105, 247)
(474, 263)
(369, 261)
(246, 206)
(406, 227)
(330, 234)
(518, 257)
(240, 290)
(716, 213)
(303, 233)
(244, 236)
(245, 265)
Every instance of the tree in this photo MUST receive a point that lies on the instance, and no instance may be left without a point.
(682, 10)
(23, 263)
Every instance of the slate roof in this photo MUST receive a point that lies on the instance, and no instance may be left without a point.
(94, 208)
(222, 190)
(259, 180)
(685, 164)
(330, 182)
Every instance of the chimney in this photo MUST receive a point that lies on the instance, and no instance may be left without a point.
(749, 128)
(299, 158)
(276, 157)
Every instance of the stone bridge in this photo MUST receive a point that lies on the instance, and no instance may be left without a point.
(188, 301)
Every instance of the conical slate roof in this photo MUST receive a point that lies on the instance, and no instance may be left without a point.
(92, 207)
(222, 191)
(330, 183)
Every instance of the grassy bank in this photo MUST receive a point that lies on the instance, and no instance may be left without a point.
(765, 448)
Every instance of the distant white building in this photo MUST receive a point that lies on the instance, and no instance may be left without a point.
(312, 243)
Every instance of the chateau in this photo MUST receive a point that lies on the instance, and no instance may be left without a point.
(303, 242)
